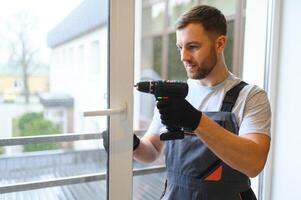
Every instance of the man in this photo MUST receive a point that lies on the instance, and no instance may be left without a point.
(227, 143)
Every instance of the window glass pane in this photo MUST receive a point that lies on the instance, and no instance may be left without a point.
(149, 186)
(153, 18)
(64, 74)
(144, 103)
(150, 69)
(177, 7)
(95, 57)
(176, 70)
(226, 6)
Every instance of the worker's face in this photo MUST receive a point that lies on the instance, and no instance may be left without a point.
(197, 51)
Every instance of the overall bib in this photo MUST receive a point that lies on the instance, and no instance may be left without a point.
(195, 173)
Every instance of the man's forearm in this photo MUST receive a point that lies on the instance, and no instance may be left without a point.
(147, 151)
(246, 154)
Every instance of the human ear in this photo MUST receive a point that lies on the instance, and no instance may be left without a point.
(221, 43)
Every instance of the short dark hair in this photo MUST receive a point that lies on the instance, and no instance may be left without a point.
(210, 17)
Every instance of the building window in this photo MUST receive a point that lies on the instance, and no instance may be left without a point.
(81, 58)
(153, 17)
(177, 7)
(152, 54)
(95, 57)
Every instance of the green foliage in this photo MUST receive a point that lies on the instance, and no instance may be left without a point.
(1, 150)
(228, 52)
(31, 124)
(16, 131)
(176, 70)
(157, 53)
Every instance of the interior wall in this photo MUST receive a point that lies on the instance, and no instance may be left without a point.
(287, 135)
(282, 174)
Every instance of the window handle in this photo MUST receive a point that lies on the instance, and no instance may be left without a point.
(109, 112)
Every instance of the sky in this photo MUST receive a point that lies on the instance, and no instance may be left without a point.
(48, 12)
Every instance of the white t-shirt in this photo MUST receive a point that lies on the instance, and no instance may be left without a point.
(252, 107)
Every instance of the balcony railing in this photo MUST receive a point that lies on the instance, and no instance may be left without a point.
(24, 186)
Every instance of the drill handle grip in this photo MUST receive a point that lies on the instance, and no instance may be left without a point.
(172, 134)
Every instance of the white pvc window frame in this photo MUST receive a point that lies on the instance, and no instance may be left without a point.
(270, 84)
(263, 60)
(121, 77)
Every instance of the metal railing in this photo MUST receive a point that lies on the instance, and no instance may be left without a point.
(31, 185)
(68, 137)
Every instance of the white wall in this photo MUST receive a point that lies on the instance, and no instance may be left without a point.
(285, 92)
(287, 136)
(74, 72)
(74, 61)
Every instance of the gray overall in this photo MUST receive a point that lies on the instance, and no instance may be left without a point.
(196, 173)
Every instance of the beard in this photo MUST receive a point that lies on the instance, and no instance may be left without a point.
(202, 70)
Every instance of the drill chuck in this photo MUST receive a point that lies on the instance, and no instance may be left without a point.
(166, 88)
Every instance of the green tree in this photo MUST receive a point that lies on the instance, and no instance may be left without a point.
(22, 44)
(34, 123)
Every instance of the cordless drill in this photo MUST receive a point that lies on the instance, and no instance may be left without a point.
(163, 90)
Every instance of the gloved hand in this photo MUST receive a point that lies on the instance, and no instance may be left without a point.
(136, 141)
(179, 113)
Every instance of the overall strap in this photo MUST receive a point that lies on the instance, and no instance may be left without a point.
(231, 97)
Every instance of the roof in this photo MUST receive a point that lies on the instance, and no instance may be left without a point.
(88, 16)
(49, 165)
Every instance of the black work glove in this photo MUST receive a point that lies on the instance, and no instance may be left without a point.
(136, 141)
(179, 113)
